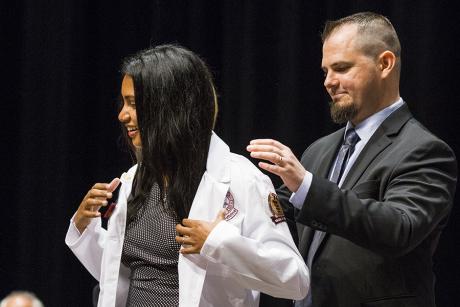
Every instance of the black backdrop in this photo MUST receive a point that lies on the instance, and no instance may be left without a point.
(60, 81)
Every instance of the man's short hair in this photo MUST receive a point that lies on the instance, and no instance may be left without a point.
(376, 33)
(24, 294)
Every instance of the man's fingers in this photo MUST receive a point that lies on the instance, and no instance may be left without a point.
(267, 156)
(264, 148)
(274, 169)
(270, 142)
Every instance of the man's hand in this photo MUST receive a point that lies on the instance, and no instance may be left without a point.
(285, 163)
(193, 233)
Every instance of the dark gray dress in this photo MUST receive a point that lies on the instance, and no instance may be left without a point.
(151, 252)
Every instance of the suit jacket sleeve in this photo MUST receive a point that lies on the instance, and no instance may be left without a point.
(289, 211)
(396, 206)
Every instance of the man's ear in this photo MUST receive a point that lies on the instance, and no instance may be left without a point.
(386, 63)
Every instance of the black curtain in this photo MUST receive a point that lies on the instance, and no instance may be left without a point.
(60, 84)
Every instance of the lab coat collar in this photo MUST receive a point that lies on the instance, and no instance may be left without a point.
(209, 198)
(216, 164)
(128, 177)
(218, 156)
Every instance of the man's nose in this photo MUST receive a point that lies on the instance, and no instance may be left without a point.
(330, 81)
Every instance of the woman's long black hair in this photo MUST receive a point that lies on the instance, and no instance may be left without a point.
(175, 106)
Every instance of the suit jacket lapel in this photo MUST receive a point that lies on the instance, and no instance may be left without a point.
(320, 168)
(377, 143)
(328, 158)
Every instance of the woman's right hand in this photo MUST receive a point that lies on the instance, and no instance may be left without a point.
(93, 200)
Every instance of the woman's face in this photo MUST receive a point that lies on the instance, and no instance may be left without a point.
(127, 115)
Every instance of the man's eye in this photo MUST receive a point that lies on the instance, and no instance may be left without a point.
(342, 68)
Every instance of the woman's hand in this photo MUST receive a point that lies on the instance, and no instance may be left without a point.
(93, 200)
(193, 233)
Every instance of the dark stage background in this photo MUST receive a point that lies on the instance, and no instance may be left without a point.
(60, 62)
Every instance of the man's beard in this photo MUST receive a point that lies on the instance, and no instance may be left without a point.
(342, 114)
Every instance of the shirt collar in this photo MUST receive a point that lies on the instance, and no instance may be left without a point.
(367, 127)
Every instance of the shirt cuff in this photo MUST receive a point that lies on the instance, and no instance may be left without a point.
(298, 198)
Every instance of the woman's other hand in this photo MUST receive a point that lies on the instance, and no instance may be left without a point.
(93, 200)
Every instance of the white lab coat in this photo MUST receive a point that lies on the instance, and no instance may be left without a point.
(242, 256)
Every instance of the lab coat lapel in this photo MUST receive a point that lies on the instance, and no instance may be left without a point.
(112, 254)
(208, 200)
(214, 183)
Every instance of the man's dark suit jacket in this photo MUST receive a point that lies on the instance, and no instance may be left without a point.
(383, 225)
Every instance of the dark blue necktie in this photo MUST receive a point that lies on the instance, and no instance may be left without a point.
(345, 152)
(347, 149)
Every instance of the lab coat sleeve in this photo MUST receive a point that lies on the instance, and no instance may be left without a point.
(262, 255)
(88, 246)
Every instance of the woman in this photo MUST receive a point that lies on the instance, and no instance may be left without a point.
(184, 170)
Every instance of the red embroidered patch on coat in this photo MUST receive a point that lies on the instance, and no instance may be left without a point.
(229, 205)
(275, 208)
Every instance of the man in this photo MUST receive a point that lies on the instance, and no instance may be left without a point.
(21, 299)
(370, 200)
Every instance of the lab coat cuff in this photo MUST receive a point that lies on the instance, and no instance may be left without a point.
(298, 198)
(74, 236)
(222, 231)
